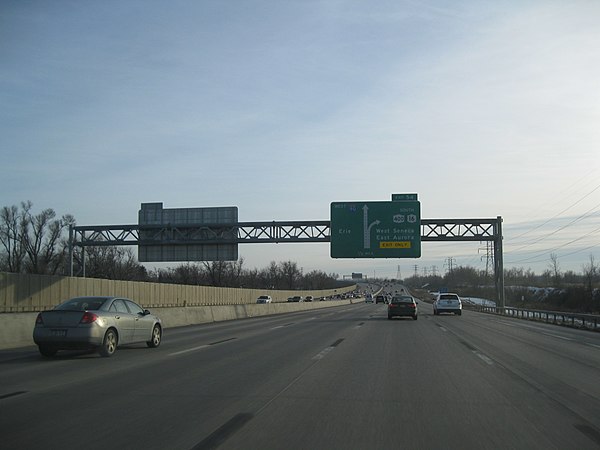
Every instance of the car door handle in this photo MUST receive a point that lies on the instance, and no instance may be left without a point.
(117, 317)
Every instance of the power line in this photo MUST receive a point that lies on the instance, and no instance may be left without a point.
(565, 194)
(588, 213)
(558, 214)
(533, 258)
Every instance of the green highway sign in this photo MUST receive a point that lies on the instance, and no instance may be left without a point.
(376, 229)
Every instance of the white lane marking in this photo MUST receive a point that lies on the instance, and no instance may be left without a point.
(189, 350)
(322, 354)
(283, 326)
(443, 329)
(536, 328)
(557, 336)
(484, 358)
(547, 334)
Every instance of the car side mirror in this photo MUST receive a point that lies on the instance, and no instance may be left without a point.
(146, 312)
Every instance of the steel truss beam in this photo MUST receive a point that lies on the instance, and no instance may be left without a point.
(246, 232)
(267, 232)
(459, 229)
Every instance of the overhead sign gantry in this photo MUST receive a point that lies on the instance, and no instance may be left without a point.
(398, 233)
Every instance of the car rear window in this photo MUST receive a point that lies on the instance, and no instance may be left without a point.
(448, 297)
(402, 300)
(82, 304)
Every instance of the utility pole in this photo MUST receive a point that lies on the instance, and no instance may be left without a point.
(489, 252)
(434, 270)
(416, 267)
(449, 263)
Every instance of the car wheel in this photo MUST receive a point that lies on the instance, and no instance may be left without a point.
(47, 350)
(389, 317)
(156, 337)
(415, 317)
(459, 313)
(109, 344)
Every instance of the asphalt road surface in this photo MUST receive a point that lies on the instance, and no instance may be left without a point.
(339, 378)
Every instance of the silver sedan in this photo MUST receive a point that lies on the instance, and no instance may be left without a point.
(98, 323)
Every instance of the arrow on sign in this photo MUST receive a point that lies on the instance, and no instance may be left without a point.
(367, 227)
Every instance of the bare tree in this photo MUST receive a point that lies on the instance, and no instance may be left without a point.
(10, 237)
(217, 271)
(33, 243)
(555, 269)
(317, 279)
(236, 271)
(273, 275)
(590, 274)
(41, 236)
(113, 263)
(291, 274)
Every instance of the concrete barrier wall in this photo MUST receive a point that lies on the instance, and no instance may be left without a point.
(31, 293)
(16, 329)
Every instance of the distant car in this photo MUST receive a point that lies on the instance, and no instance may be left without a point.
(402, 306)
(380, 299)
(309, 298)
(264, 299)
(368, 298)
(447, 303)
(96, 323)
(296, 298)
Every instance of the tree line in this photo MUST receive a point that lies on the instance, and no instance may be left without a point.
(38, 244)
(553, 289)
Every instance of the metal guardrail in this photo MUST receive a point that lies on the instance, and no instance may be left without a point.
(572, 320)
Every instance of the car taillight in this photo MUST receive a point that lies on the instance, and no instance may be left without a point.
(412, 305)
(88, 317)
(39, 320)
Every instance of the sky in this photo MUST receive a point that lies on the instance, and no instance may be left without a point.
(483, 108)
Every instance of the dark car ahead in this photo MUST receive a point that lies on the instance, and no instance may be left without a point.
(97, 323)
(380, 299)
(402, 306)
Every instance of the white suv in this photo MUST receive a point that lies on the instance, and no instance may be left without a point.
(447, 303)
